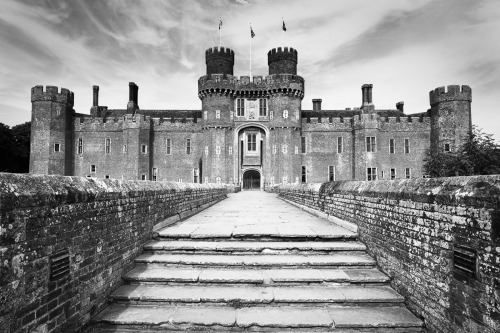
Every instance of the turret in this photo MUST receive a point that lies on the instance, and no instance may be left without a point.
(51, 149)
(450, 117)
(282, 61)
(219, 60)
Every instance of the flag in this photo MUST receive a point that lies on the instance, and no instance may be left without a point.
(252, 34)
(220, 23)
(284, 26)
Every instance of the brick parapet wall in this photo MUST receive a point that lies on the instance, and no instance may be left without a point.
(103, 223)
(412, 227)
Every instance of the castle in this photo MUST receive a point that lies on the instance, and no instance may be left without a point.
(251, 131)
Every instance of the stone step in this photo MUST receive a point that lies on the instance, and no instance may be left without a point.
(165, 275)
(216, 318)
(264, 295)
(257, 260)
(256, 231)
(270, 247)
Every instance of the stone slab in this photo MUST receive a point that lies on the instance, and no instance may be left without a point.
(366, 275)
(373, 317)
(305, 275)
(178, 231)
(292, 317)
(371, 294)
(135, 315)
(170, 274)
(241, 294)
(307, 294)
(231, 276)
(129, 292)
(163, 293)
(206, 316)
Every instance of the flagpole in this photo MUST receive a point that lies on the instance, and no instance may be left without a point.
(251, 52)
(282, 43)
(220, 28)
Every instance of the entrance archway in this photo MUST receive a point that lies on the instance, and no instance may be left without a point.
(251, 180)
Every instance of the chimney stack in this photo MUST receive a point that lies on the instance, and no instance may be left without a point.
(317, 104)
(95, 90)
(400, 106)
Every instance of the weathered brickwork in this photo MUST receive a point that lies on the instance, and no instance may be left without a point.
(246, 126)
(102, 223)
(412, 228)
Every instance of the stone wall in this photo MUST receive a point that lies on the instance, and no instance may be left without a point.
(415, 228)
(95, 227)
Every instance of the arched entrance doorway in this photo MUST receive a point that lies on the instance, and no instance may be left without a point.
(251, 180)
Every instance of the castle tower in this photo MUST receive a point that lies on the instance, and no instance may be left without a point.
(216, 91)
(450, 117)
(286, 91)
(51, 150)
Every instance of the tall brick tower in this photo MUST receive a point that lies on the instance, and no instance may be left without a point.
(216, 93)
(450, 117)
(286, 91)
(51, 150)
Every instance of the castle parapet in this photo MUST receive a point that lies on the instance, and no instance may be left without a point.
(219, 60)
(452, 93)
(282, 61)
(52, 93)
(218, 83)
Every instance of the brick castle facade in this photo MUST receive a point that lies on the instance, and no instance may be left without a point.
(251, 131)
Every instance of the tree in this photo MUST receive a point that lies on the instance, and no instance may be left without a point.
(22, 134)
(7, 150)
(478, 154)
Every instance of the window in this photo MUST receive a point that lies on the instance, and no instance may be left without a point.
(382, 174)
(169, 146)
(80, 146)
(240, 107)
(143, 177)
(392, 149)
(303, 147)
(285, 179)
(231, 115)
(271, 115)
(393, 173)
(370, 144)
(340, 145)
(205, 115)
(93, 168)
(218, 180)
(107, 145)
(263, 107)
(304, 174)
(196, 175)
(144, 149)
(274, 149)
(296, 150)
(124, 149)
(252, 142)
(331, 173)
(106, 176)
(57, 147)
(180, 180)
(408, 173)
(371, 173)
(285, 114)
(230, 150)
(407, 146)
(446, 147)
(217, 150)
(188, 146)
(155, 174)
(284, 149)
(217, 114)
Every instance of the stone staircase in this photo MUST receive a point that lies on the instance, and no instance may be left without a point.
(263, 277)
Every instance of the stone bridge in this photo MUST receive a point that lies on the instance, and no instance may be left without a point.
(81, 255)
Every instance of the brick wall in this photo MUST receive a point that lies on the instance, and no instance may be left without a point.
(102, 223)
(413, 227)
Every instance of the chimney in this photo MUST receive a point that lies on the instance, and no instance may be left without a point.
(400, 106)
(131, 91)
(367, 93)
(136, 94)
(317, 104)
(95, 90)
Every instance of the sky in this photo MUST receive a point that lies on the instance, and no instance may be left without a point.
(405, 48)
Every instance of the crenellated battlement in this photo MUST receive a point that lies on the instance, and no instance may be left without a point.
(286, 53)
(450, 93)
(217, 52)
(269, 84)
(52, 93)
(219, 60)
(98, 124)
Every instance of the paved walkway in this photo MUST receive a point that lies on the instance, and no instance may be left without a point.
(255, 213)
